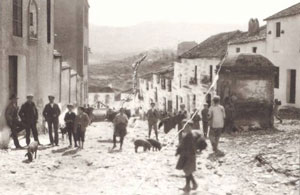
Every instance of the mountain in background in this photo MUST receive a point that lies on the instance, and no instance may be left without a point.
(114, 49)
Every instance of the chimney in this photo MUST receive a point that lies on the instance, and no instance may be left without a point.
(253, 27)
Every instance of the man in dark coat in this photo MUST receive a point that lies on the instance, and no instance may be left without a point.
(182, 114)
(196, 120)
(187, 156)
(12, 120)
(205, 120)
(70, 117)
(29, 116)
(51, 113)
(152, 116)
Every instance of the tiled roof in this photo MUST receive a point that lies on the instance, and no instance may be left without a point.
(147, 76)
(246, 38)
(167, 72)
(293, 10)
(93, 89)
(213, 47)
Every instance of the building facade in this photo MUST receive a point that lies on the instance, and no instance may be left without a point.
(26, 51)
(72, 41)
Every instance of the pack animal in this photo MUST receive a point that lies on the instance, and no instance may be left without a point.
(32, 149)
(142, 143)
(156, 145)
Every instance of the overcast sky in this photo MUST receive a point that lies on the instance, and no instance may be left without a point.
(131, 12)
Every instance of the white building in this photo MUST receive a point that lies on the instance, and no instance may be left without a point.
(195, 70)
(279, 41)
(102, 98)
(283, 49)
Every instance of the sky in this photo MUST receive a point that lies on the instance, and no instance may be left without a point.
(120, 13)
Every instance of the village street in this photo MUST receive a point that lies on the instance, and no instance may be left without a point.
(97, 170)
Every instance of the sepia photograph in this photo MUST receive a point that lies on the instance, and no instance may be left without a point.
(149, 97)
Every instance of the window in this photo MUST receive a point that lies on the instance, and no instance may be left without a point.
(13, 75)
(17, 18)
(163, 83)
(33, 24)
(291, 83)
(196, 73)
(49, 21)
(169, 85)
(278, 29)
(210, 73)
(86, 56)
(86, 16)
(147, 85)
(238, 50)
(276, 78)
(254, 49)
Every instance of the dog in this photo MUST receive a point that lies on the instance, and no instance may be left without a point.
(142, 143)
(32, 149)
(156, 145)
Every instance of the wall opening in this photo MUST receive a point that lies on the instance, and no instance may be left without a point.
(49, 21)
(278, 29)
(291, 86)
(13, 75)
(18, 18)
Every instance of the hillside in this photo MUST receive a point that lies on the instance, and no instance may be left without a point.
(118, 73)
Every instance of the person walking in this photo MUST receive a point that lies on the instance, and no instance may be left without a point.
(204, 114)
(217, 116)
(152, 116)
(277, 103)
(182, 114)
(29, 117)
(70, 117)
(12, 120)
(196, 120)
(51, 113)
(187, 157)
(81, 123)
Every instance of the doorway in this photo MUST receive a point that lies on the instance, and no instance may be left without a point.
(13, 75)
(291, 86)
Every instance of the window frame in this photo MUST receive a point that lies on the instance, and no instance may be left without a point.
(278, 29)
(17, 18)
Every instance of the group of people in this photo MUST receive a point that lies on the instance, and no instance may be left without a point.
(27, 118)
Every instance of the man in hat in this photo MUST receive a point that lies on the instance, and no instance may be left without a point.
(204, 113)
(70, 117)
(217, 117)
(12, 120)
(51, 113)
(29, 116)
(152, 116)
(81, 123)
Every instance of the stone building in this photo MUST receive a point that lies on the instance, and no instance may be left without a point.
(195, 70)
(26, 51)
(71, 27)
(247, 80)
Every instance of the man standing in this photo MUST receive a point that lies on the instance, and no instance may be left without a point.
(70, 117)
(152, 116)
(196, 120)
(29, 116)
(12, 120)
(217, 116)
(51, 113)
(120, 127)
(182, 114)
(204, 114)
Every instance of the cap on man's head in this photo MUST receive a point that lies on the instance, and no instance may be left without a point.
(12, 97)
(182, 105)
(205, 104)
(70, 106)
(29, 95)
(216, 97)
(51, 97)
(152, 103)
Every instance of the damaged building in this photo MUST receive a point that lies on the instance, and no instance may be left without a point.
(247, 80)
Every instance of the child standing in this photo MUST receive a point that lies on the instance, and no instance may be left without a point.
(187, 156)
(217, 116)
(81, 122)
(70, 120)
